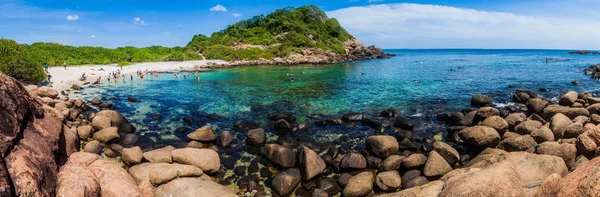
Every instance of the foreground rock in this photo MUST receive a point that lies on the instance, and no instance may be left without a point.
(500, 179)
(359, 185)
(310, 163)
(205, 159)
(191, 187)
(286, 181)
(581, 182)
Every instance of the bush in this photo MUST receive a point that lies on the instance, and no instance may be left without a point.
(17, 62)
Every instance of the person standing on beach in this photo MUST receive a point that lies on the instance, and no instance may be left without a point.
(46, 67)
(65, 65)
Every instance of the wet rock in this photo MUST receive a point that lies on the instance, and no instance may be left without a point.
(480, 136)
(484, 182)
(84, 132)
(329, 186)
(131, 99)
(126, 128)
(190, 187)
(436, 165)
(188, 120)
(343, 179)
(352, 116)
(225, 140)
(130, 139)
(281, 156)
(447, 152)
(568, 98)
(282, 125)
(245, 125)
(96, 101)
(203, 134)
(414, 161)
(388, 113)
(524, 143)
(205, 159)
(403, 123)
(353, 161)
(382, 145)
(239, 170)
(286, 181)
(256, 137)
(115, 117)
(265, 172)
(310, 163)
(93, 147)
(522, 96)
(373, 162)
(107, 135)
(389, 181)
(480, 100)
(161, 155)
(101, 122)
(567, 152)
(359, 185)
(132, 156)
(404, 134)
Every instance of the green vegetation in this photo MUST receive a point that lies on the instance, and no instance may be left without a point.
(284, 31)
(16, 61)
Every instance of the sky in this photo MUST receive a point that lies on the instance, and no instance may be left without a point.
(416, 24)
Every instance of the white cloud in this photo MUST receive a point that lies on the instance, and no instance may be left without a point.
(92, 36)
(138, 21)
(72, 17)
(218, 8)
(236, 14)
(433, 26)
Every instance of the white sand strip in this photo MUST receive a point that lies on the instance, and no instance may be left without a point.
(63, 79)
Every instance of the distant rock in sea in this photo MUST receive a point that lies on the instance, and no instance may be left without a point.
(584, 52)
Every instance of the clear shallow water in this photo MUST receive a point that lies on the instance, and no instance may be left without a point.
(445, 81)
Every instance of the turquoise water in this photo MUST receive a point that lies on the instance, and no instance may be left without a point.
(418, 83)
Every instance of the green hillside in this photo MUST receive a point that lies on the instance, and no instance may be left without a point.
(281, 33)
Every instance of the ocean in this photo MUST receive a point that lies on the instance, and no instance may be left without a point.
(417, 83)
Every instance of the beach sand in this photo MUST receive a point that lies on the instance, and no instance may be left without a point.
(63, 79)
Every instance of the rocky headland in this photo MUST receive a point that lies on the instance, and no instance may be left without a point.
(56, 145)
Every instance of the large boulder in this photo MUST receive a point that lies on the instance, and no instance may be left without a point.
(115, 117)
(107, 135)
(568, 98)
(392, 162)
(256, 137)
(480, 100)
(559, 124)
(191, 187)
(431, 189)
(515, 119)
(353, 161)
(225, 140)
(280, 155)
(286, 181)
(414, 160)
(310, 163)
(484, 113)
(68, 142)
(113, 180)
(436, 165)
(75, 179)
(132, 156)
(203, 134)
(495, 122)
(84, 132)
(572, 113)
(567, 152)
(583, 181)
(160, 175)
(101, 122)
(447, 152)
(500, 179)
(205, 159)
(382, 145)
(480, 136)
(30, 166)
(359, 185)
(527, 127)
(389, 181)
(594, 108)
(518, 143)
(161, 155)
(536, 105)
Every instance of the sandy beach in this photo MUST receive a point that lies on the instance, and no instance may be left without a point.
(63, 79)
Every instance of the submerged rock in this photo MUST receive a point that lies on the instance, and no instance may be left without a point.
(286, 181)
(310, 163)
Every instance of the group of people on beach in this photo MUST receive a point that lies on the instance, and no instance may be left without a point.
(196, 75)
(48, 72)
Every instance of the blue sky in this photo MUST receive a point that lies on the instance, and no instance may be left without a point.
(555, 24)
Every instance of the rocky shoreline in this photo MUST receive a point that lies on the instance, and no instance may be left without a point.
(534, 148)
(354, 51)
